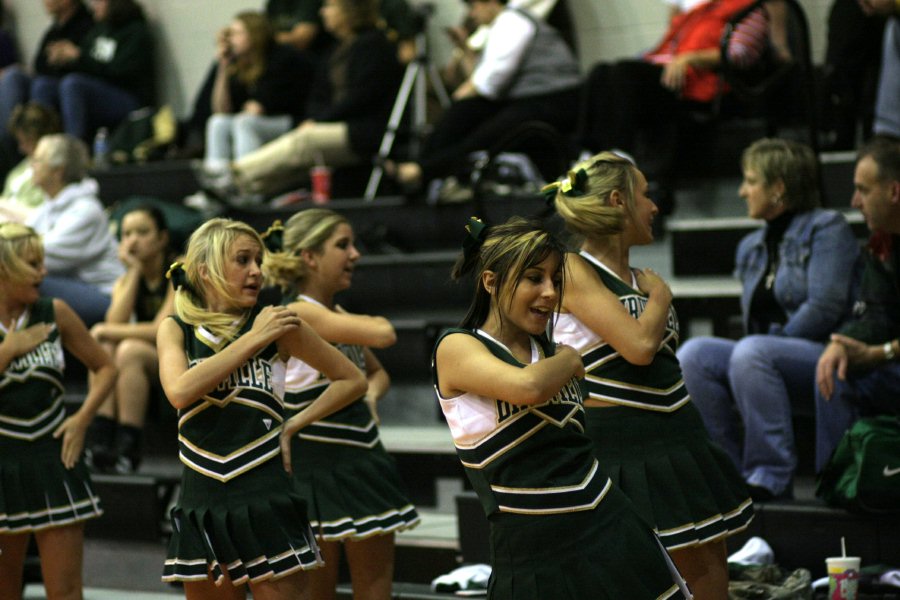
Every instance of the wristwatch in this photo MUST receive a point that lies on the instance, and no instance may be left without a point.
(888, 350)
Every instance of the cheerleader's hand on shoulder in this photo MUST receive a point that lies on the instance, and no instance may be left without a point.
(652, 284)
(573, 358)
(274, 321)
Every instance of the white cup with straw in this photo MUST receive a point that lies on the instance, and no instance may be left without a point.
(843, 575)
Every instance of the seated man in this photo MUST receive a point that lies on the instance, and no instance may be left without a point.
(526, 72)
(858, 374)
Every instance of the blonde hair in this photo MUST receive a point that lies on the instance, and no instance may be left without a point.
(262, 37)
(306, 230)
(795, 164)
(16, 242)
(585, 209)
(208, 246)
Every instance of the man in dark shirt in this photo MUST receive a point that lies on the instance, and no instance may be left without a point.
(858, 374)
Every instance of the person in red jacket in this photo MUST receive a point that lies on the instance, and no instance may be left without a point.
(644, 98)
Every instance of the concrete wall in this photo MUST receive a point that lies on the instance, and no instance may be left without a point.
(185, 30)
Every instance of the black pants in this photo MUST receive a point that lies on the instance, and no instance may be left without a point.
(478, 123)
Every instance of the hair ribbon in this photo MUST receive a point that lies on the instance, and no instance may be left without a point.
(572, 186)
(178, 276)
(273, 238)
(476, 232)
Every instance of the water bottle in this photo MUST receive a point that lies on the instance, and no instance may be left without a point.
(101, 148)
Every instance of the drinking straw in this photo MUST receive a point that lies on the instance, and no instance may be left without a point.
(843, 547)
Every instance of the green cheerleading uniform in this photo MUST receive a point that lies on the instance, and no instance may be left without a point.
(349, 480)
(653, 442)
(238, 510)
(36, 490)
(559, 527)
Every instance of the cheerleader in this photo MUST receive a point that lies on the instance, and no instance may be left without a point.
(239, 519)
(559, 527)
(350, 482)
(45, 488)
(647, 434)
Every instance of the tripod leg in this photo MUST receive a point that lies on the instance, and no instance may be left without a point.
(438, 85)
(390, 134)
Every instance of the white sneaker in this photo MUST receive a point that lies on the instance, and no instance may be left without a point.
(755, 552)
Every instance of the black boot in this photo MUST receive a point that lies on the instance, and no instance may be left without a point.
(99, 453)
(128, 450)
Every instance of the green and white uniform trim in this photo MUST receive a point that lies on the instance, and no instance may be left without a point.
(238, 511)
(653, 443)
(525, 459)
(36, 490)
(223, 447)
(340, 466)
(609, 377)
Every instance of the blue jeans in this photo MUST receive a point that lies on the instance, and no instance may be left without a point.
(233, 136)
(14, 87)
(867, 393)
(887, 103)
(755, 382)
(87, 301)
(85, 102)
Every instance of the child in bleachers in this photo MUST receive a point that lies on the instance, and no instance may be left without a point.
(141, 299)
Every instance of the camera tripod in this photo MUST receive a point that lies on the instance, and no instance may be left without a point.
(415, 80)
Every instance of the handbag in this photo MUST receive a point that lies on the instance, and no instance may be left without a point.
(863, 474)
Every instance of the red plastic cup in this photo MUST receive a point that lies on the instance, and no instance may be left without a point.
(320, 177)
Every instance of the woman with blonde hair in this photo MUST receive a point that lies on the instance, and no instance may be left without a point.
(349, 480)
(45, 488)
(647, 435)
(797, 272)
(239, 518)
(259, 91)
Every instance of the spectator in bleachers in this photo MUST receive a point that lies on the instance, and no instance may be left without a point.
(80, 252)
(797, 273)
(349, 105)
(647, 433)
(259, 92)
(29, 123)
(887, 105)
(850, 73)
(526, 72)
(141, 299)
(858, 373)
(638, 105)
(559, 527)
(356, 499)
(71, 21)
(45, 488)
(110, 70)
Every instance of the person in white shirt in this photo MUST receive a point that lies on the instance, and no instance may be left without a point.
(525, 73)
(80, 252)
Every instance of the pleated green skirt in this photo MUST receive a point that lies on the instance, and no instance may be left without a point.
(685, 486)
(37, 492)
(352, 492)
(607, 553)
(252, 528)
